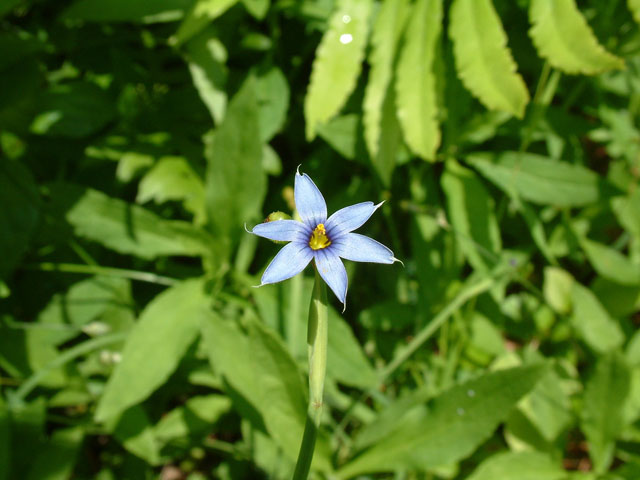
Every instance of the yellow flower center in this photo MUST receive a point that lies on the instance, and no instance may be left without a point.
(319, 239)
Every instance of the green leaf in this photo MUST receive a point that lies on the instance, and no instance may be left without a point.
(385, 36)
(472, 214)
(235, 183)
(166, 328)
(5, 441)
(126, 228)
(6, 6)
(19, 213)
(342, 133)
(415, 79)
(337, 63)
(257, 8)
(592, 322)
(556, 24)
(74, 110)
(557, 288)
(483, 60)
(602, 412)
(610, 263)
(456, 423)
(272, 93)
(172, 178)
(539, 179)
(518, 466)
(634, 6)
(201, 14)
(206, 56)
(143, 11)
(627, 211)
(133, 429)
(58, 456)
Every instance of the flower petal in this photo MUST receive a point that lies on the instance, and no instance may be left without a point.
(332, 271)
(283, 230)
(349, 218)
(289, 261)
(309, 201)
(358, 248)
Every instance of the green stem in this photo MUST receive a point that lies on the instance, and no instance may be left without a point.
(98, 270)
(317, 342)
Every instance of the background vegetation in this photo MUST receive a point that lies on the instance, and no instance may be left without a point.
(138, 136)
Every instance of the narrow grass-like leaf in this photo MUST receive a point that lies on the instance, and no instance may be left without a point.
(603, 408)
(458, 421)
(416, 82)
(337, 64)
(483, 60)
(556, 27)
(540, 179)
(384, 41)
(154, 347)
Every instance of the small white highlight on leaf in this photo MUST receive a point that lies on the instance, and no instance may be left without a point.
(346, 18)
(346, 38)
(460, 411)
(471, 393)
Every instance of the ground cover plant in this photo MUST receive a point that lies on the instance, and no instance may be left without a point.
(141, 141)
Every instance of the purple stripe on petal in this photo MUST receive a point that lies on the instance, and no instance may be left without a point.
(309, 201)
(290, 260)
(358, 248)
(283, 231)
(349, 218)
(332, 272)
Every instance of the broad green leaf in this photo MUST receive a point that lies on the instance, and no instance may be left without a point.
(556, 26)
(472, 215)
(201, 14)
(602, 412)
(257, 8)
(634, 6)
(27, 429)
(342, 133)
(73, 110)
(337, 63)
(58, 456)
(18, 215)
(518, 466)
(592, 322)
(416, 82)
(385, 36)
(272, 93)
(127, 228)
(206, 56)
(456, 423)
(133, 429)
(235, 183)
(483, 60)
(142, 11)
(610, 263)
(172, 178)
(627, 211)
(5, 441)
(557, 288)
(193, 419)
(155, 346)
(539, 179)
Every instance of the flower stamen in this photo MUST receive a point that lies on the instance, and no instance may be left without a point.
(319, 239)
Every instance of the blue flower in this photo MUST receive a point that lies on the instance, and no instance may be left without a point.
(324, 240)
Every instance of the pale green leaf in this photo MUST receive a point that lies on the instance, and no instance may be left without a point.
(127, 228)
(602, 413)
(155, 346)
(390, 139)
(592, 322)
(172, 178)
(456, 423)
(634, 6)
(415, 79)
(627, 211)
(385, 36)
(610, 263)
(201, 14)
(557, 287)
(540, 179)
(472, 214)
(483, 60)
(235, 183)
(518, 466)
(143, 11)
(337, 63)
(562, 36)
(257, 8)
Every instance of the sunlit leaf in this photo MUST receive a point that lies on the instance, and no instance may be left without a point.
(337, 63)
(518, 466)
(610, 263)
(483, 60)
(416, 81)
(201, 14)
(556, 26)
(143, 11)
(592, 322)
